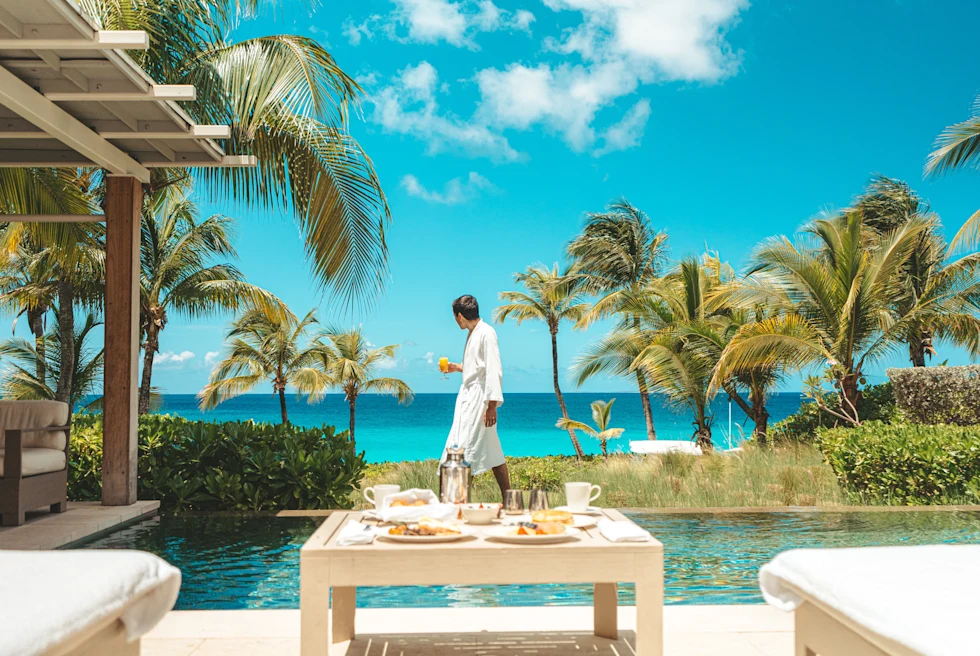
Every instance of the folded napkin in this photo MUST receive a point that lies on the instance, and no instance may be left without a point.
(355, 533)
(410, 513)
(622, 531)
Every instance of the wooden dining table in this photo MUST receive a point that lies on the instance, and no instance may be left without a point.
(326, 566)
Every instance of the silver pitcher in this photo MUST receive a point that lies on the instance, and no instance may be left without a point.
(454, 478)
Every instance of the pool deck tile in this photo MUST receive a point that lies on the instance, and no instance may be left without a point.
(45, 530)
(689, 631)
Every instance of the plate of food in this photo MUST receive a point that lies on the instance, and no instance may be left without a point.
(533, 533)
(426, 530)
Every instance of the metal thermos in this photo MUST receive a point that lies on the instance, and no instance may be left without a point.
(454, 478)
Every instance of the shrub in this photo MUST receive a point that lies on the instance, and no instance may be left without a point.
(905, 463)
(548, 473)
(939, 395)
(877, 404)
(224, 466)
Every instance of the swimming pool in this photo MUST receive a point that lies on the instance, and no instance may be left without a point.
(253, 562)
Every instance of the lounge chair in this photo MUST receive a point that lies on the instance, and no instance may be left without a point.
(33, 458)
(82, 603)
(879, 601)
(657, 447)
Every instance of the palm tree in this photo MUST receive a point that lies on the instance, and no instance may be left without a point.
(21, 381)
(958, 147)
(28, 288)
(351, 363)
(943, 288)
(178, 274)
(265, 349)
(617, 255)
(601, 415)
(287, 102)
(832, 296)
(551, 297)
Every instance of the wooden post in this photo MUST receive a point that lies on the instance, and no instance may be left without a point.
(123, 204)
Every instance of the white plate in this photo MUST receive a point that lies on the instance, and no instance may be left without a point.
(580, 521)
(591, 510)
(383, 534)
(507, 534)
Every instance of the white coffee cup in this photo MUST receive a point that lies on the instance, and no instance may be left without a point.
(578, 496)
(379, 492)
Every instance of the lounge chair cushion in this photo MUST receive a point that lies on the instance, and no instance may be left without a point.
(37, 461)
(48, 597)
(921, 597)
(649, 447)
(33, 414)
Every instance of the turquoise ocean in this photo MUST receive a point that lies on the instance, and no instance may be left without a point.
(387, 431)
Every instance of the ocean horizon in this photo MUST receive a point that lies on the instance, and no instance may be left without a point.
(387, 431)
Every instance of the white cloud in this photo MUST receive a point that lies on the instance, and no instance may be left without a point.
(628, 132)
(456, 190)
(621, 44)
(211, 358)
(388, 363)
(409, 106)
(430, 357)
(171, 359)
(433, 21)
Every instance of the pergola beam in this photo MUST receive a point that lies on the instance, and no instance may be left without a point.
(111, 40)
(156, 92)
(27, 103)
(196, 132)
(51, 218)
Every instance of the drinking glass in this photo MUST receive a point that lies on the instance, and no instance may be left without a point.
(538, 501)
(514, 502)
(444, 367)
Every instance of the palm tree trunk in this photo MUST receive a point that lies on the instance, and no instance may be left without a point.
(351, 402)
(66, 329)
(35, 318)
(282, 405)
(641, 383)
(149, 350)
(917, 354)
(561, 400)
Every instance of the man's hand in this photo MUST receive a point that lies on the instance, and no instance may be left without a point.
(491, 417)
(454, 368)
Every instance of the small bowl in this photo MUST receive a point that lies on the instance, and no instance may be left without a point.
(476, 513)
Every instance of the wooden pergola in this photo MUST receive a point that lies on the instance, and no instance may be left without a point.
(71, 97)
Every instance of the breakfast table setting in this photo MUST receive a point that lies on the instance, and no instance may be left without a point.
(419, 538)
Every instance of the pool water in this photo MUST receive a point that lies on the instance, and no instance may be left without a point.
(253, 562)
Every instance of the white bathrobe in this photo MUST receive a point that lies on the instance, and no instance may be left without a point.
(482, 382)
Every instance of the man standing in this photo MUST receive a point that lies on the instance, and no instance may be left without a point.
(475, 421)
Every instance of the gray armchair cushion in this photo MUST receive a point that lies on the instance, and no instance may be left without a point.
(34, 414)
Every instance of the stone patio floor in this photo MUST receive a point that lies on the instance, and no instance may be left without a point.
(553, 631)
(44, 530)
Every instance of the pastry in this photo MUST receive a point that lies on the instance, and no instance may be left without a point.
(560, 516)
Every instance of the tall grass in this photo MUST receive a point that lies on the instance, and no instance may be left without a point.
(786, 476)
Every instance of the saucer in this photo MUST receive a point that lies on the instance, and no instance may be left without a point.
(591, 510)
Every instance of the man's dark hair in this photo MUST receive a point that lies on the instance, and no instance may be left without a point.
(467, 306)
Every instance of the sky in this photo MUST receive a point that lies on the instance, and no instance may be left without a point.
(496, 126)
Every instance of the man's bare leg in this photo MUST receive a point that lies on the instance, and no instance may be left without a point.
(503, 479)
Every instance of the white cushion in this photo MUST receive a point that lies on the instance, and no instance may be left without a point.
(34, 414)
(49, 597)
(38, 461)
(664, 446)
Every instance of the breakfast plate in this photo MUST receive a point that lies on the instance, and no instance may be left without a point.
(509, 534)
(383, 533)
(591, 510)
(577, 521)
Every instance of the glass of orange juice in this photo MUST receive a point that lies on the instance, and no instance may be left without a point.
(444, 367)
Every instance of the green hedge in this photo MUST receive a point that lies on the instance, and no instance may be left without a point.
(906, 464)
(241, 466)
(877, 404)
(939, 395)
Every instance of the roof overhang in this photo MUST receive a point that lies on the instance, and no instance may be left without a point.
(71, 97)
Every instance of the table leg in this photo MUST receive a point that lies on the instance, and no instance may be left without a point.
(650, 605)
(314, 606)
(344, 607)
(604, 606)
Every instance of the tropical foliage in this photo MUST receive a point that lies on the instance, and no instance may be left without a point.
(551, 296)
(939, 395)
(271, 350)
(601, 416)
(351, 363)
(231, 466)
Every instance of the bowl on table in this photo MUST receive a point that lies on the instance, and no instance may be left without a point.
(480, 513)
